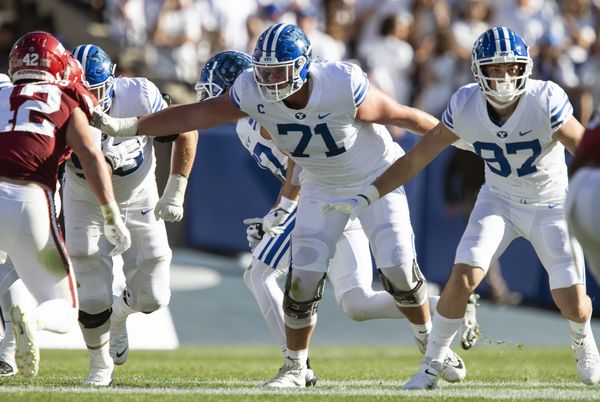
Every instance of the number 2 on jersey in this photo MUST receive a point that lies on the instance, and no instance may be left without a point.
(307, 134)
(22, 120)
(494, 157)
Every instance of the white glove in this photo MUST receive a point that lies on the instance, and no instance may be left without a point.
(170, 205)
(115, 230)
(354, 205)
(123, 155)
(254, 231)
(273, 221)
(115, 127)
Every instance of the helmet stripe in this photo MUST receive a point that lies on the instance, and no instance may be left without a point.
(507, 38)
(82, 54)
(499, 38)
(267, 39)
(271, 44)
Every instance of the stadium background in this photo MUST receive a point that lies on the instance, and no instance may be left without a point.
(226, 186)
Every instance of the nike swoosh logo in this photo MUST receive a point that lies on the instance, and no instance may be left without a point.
(146, 211)
(122, 352)
(552, 206)
(423, 332)
(322, 116)
(430, 373)
(522, 133)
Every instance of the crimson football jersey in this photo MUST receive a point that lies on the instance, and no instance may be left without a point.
(589, 147)
(33, 127)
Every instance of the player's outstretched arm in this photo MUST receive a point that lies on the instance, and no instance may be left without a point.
(378, 107)
(174, 119)
(401, 171)
(97, 175)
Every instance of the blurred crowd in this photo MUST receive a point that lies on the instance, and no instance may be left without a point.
(417, 50)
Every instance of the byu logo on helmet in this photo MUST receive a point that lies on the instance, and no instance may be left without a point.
(219, 73)
(99, 72)
(496, 46)
(281, 61)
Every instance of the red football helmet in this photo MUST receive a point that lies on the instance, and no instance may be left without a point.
(74, 71)
(37, 56)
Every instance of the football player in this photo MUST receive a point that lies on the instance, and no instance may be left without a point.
(146, 264)
(520, 127)
(330, 121)
(46, 118)
(270, 241)
(584, 192)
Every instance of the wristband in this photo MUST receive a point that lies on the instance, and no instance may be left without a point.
(371, 194)
(286, 204)
(110, 212)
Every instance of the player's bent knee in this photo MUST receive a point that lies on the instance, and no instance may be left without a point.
(90, 321)
(312, 250)
(354, 304)
(300, 300)
(413, 294)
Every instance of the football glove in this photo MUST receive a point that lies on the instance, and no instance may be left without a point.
(123, 155)
(273, 221)
(115, 127)
(254, 231)
(354, 205)
(170, 205)
(115, 230)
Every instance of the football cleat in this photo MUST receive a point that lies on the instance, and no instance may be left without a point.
(119, 342)
(8, 369)
(311, 378)
(427, 377)
(453, 368)
(470, 329)
(588, 360)
(101, 368)
(8, 365)
(27, 353)
(291, 375)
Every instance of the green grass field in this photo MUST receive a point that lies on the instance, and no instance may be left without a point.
(230, 373)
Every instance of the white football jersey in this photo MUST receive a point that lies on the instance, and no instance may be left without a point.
(522, 160)
(132, 97)
(323, 138)
(264, 152)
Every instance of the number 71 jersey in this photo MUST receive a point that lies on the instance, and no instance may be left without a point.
(323, 138)
(522, 160)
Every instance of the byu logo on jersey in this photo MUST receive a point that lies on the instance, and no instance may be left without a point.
(300, 116)
(502, 134)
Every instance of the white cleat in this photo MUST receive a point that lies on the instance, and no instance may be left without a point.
(8, 364)
(470, 330)
(427, 377)
(291, 375)
(588, 360)
(101, 368)
(453, 368)
(27, 353)
(119, 343)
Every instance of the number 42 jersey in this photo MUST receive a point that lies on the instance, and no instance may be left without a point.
(523, 161)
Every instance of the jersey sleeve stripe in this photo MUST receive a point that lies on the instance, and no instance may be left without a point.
(361, 92)
(448, 119)
(157, 104)
(564, 110)
(234, 97)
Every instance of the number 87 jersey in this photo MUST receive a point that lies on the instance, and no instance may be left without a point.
(523, 162)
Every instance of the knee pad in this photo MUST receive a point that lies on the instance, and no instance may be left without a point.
(302, 314)
(90, 321)
(412, 298)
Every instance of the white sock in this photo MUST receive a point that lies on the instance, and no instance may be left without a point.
(96, 337)
(120, 309)
(443, 332)
(579, 330)
(421, 331)
(300, 355)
